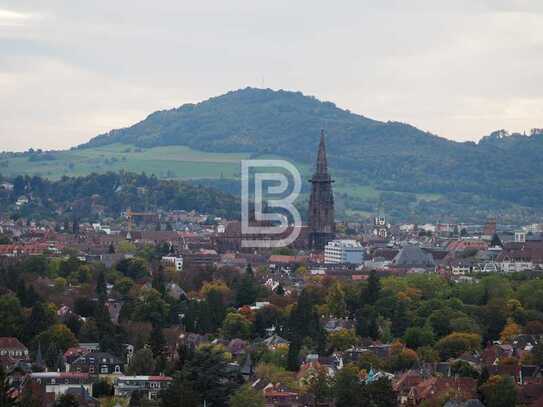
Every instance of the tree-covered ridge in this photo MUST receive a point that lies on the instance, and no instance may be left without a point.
(111, 193)
(390, 156)
(261, 121)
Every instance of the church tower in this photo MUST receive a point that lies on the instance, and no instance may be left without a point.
(321, 203)
(380, 226)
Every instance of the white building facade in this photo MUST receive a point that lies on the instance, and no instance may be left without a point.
(343, 252)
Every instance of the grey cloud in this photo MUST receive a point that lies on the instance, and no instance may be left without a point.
(456, 68)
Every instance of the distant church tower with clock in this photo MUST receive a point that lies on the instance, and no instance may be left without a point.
(380, 226)
(321, 203)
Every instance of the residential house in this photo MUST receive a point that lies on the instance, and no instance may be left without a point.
(60, 382)
(13, 348)
(148, 386)
(96, 363)
(431, 389)
(279, 396)
(338, 324)
(275, 341)
(403, 385)
(331, 363)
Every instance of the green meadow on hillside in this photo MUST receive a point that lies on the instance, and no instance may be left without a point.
(172, 162)
(355, 198)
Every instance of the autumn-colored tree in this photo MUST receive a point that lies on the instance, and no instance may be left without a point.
(219, 286)
(510, 330)
(403, 359)
(58, 334)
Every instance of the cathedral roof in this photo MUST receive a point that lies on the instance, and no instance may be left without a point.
(413, 256)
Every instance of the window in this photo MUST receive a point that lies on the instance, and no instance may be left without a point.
(104, 369)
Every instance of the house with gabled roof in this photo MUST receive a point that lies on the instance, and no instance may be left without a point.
(12, 347)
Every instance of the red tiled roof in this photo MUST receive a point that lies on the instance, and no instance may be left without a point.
(278, 258)
(435, 386)
(407, 380)
(10, 342)
(160, 378)
(529, 251)
(457, 245)
(275, 393)
(30, 249)
(74, 352)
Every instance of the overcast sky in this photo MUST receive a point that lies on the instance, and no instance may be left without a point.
(71, 69)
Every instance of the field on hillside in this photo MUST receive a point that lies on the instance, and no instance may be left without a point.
(220, 170)
(173, 162)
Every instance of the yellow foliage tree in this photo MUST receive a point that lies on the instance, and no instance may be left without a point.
(217, 285)
(510, 330)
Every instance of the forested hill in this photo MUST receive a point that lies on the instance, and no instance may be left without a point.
(110, 194)
(389, 156)
(270, 122)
